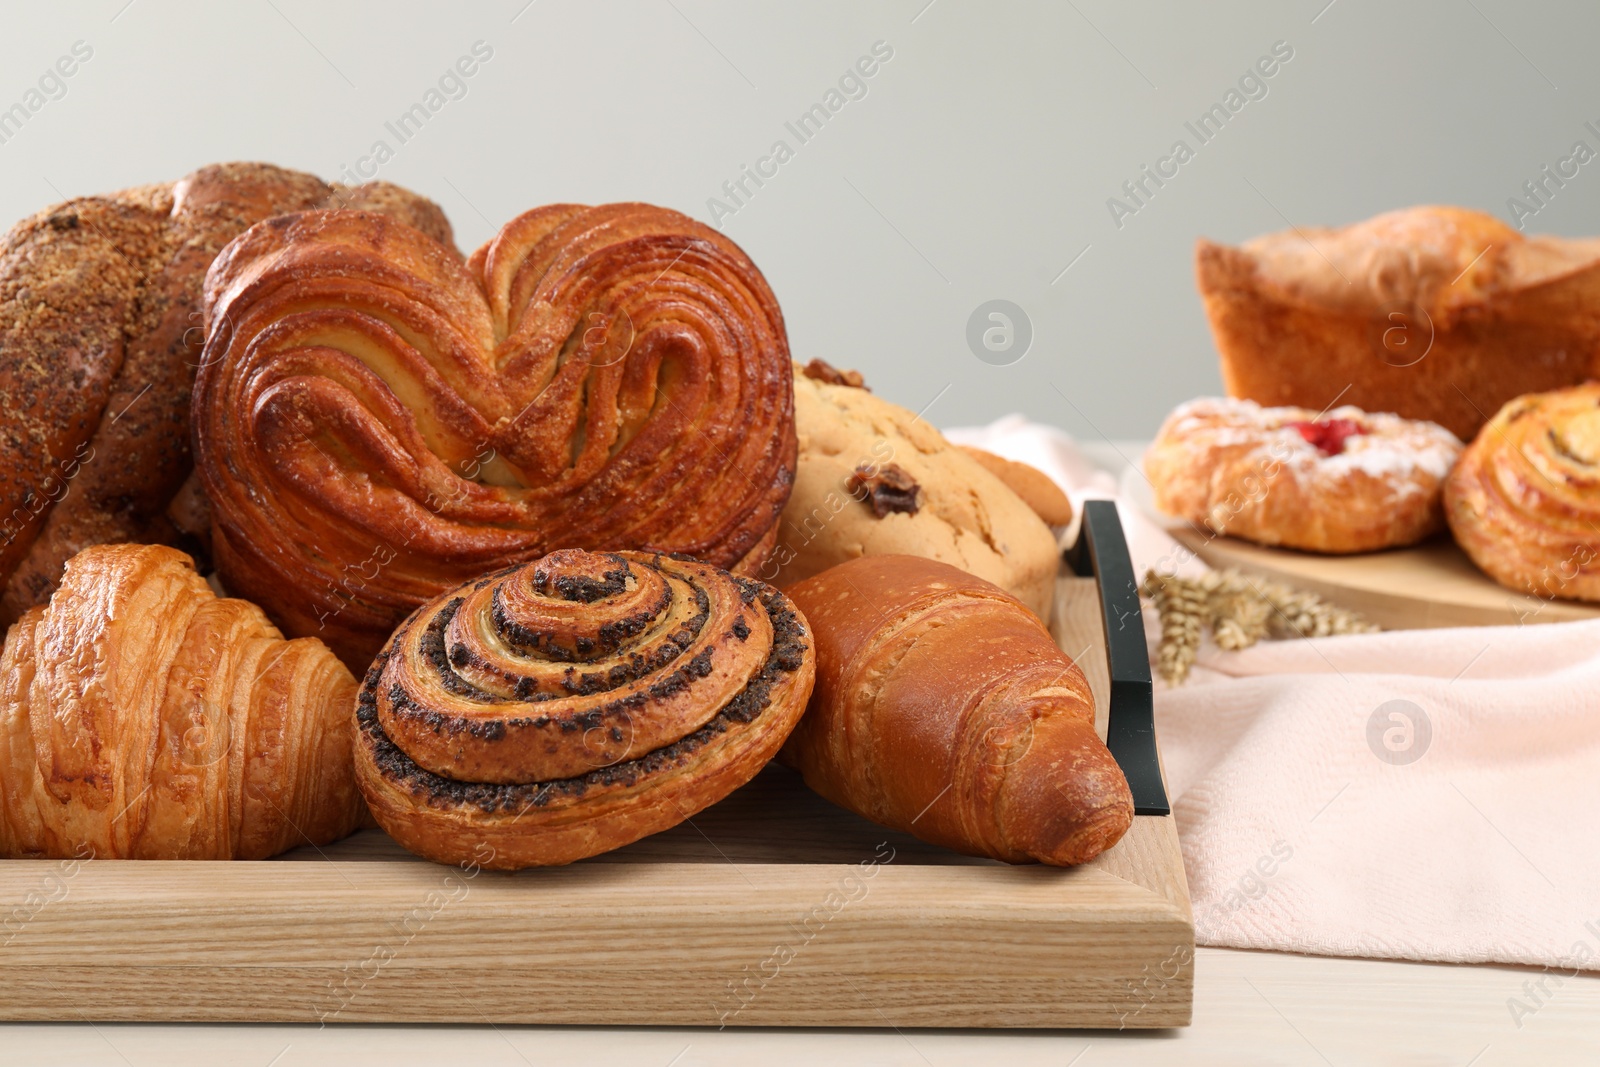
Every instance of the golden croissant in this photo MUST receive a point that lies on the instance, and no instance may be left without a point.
(143, 717)
(944, 708)
(377, 422)
(570, 705)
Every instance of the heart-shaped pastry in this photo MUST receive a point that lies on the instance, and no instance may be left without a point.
(377, 421)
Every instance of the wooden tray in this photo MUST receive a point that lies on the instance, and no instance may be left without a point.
(1425, 586)
(773, 908)
(1428, 585)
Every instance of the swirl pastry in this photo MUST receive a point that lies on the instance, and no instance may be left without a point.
(1524, 502)
(567, 706)
(1344, 481)
(1434, 313)
(377, 422)
(142, 717)
(100, 334)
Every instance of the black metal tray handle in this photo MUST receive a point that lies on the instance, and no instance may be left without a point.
(1102, 551)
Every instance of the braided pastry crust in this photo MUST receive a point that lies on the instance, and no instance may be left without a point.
(1524, 502)
(568, 706)
(377, 423)
(142, 717)
(1346, 481)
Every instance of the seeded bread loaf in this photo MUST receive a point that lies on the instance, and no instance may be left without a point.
(100, 335)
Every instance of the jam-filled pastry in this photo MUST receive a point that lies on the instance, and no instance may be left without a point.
(377, 422)
(1524, 502)
(143, 717)
(570, 705)
(1344, 481)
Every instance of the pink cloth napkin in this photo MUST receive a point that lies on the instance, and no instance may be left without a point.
(1423, 794)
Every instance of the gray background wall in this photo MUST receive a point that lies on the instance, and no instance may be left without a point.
(977, 165)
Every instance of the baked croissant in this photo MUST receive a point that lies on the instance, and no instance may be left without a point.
(1524, 500)
(376, 423)
(568, 706)
(142, 717)
(943, 708)
(100, 334)
(1433, 313)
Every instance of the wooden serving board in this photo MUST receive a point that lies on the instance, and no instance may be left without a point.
(1425, 586)
(773, 908)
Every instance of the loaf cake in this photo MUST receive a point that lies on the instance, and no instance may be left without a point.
(1434, 313)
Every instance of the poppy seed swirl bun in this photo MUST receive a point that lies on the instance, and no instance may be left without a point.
(568, 706)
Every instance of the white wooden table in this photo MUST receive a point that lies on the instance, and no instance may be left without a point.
(1250, 1008)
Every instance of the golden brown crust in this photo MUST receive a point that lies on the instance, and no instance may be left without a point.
(962, 515)
(377, 423)
(68, 285)
(100, 334)
(1338, 481)
(394, 201)
(1524, 502)
(141, 717)
(1034, 486)
(1433, 313)
(568, 706)
(943, 708)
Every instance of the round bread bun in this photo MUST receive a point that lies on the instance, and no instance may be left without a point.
(873, 479)
(1336, 482)
(1033, 485)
